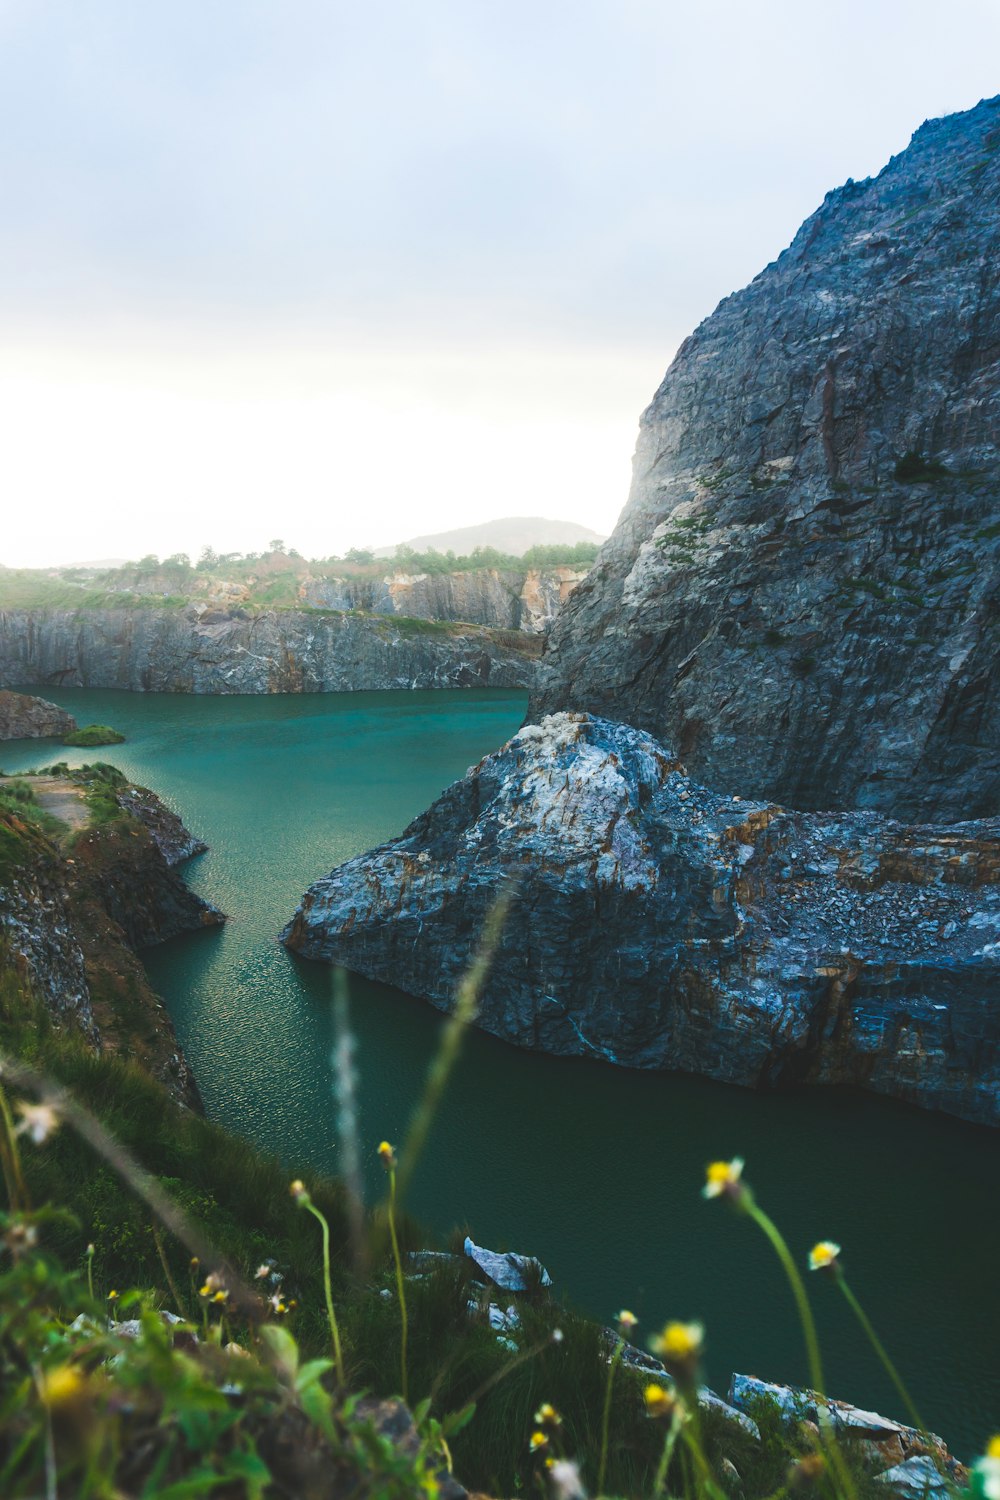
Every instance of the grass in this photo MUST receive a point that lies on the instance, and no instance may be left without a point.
(92, 735)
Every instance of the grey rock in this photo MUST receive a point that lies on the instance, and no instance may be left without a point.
(511, 1272)
(200, 649)
(175, 842)
(659, 924)
(916, 1477)
(23, 717)
(804, 616)
(525, 599)
(884, 1441)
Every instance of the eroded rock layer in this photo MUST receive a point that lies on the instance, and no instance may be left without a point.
(803, 592)
(200, 649)
(659, 924)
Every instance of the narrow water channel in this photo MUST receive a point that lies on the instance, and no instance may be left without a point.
(596, 1170)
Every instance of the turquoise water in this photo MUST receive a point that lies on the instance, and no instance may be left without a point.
(597, 1170)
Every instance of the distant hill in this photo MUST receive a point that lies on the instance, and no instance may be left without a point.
(512, 534)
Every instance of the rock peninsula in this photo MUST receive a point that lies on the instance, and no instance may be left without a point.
(659, 924)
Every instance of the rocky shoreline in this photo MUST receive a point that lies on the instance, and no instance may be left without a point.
(76, 907)
(659, 924)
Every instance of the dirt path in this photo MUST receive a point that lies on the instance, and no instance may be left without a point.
(63, 799)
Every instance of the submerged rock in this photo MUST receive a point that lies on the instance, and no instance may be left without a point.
(801, 593)
(659, 924)
(23, 717)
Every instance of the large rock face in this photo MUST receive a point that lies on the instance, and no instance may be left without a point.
(26, 718)
(658, 924)
(803, 592)
(525, 599)
(204, 650)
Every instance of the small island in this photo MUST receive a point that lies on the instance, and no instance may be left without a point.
(93, 734)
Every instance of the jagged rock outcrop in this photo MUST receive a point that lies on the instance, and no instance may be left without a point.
(25, 718)
(73, 913)
(199, 649)
(803, 592)
(659, 924)
(909, 1462)
(525, 599)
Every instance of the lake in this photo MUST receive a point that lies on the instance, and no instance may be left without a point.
(594, 1169)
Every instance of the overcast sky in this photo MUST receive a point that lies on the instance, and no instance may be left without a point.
(348, 273)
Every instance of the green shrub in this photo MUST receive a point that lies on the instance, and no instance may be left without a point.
(94, 734)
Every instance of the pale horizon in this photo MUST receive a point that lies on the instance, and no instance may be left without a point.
(349, 277)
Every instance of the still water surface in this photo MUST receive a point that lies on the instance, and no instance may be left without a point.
(596, 1170)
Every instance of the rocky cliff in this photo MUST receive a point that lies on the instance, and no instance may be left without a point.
(26, 718)
(803, 592)
(660, 924)
(87, 877)
(505, 599)
(200, 649)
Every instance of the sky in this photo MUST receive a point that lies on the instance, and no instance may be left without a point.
(345, 274)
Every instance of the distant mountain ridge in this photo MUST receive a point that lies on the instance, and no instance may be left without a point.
(512, 534)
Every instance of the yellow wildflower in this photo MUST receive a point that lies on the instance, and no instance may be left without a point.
(298, 1191)
(679, 1341)
(61, 1386)
(987, 1470)
(722, 1178)
(823, 1256)
(547, 1416)
(387, 1155)
(627, 1323)
(537, 1442)
(658, 1400)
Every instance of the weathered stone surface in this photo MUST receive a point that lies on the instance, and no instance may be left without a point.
(175, 842)
(25, 718)
(805, 614)
(200, 649)
(525, 599)
(916, 1477)
(70, 922)
(506, 1269)
(905, 1455)
(659, 924)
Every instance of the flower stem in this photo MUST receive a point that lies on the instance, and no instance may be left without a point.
(338, 1357)
(10, 1159)
(797, 1285)
(400, 1288)
(616, 1359)
(879, 1348)
(668, 1452)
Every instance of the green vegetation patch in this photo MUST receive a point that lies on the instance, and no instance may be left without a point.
(94, 734)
